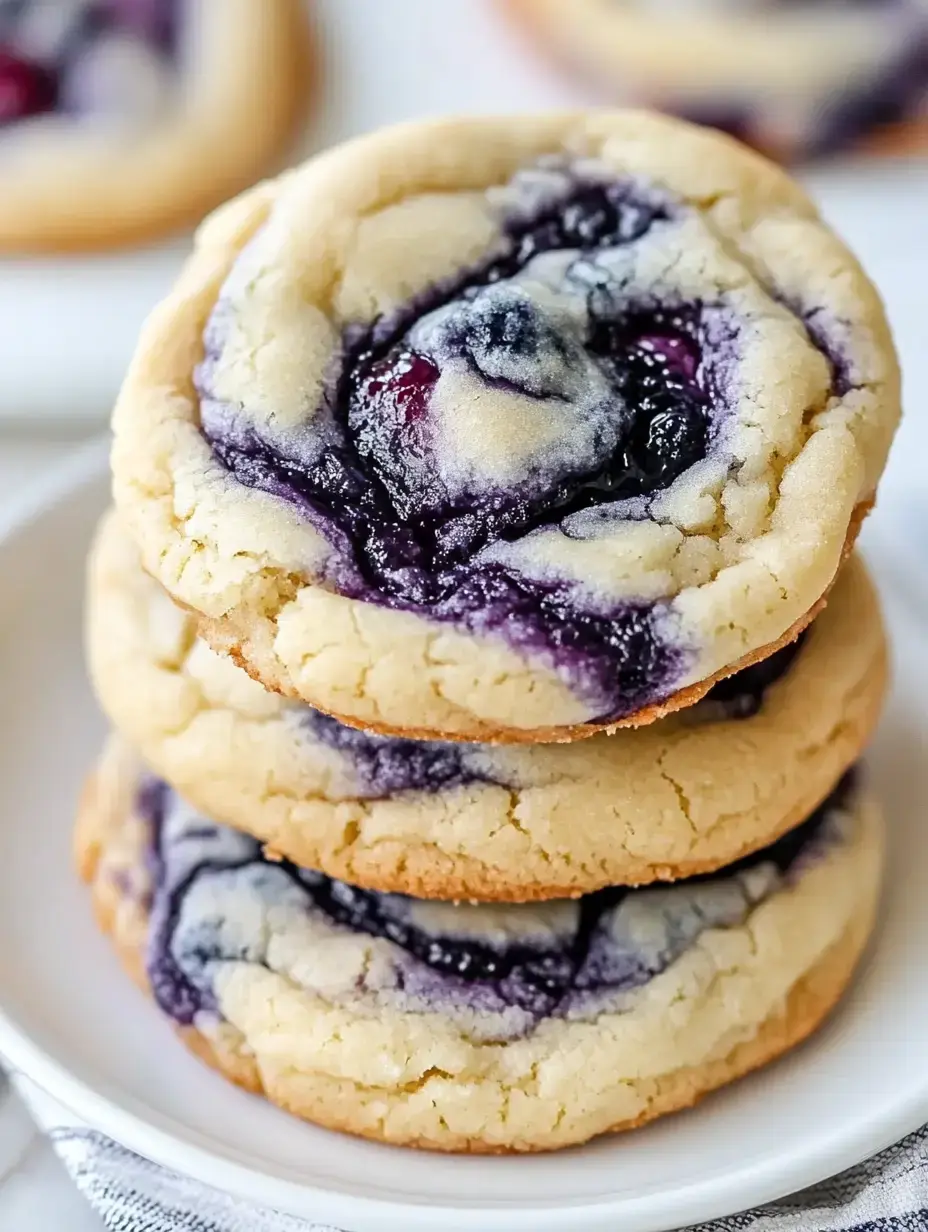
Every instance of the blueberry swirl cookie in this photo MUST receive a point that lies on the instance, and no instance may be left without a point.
(120, 119)
(477, 1028)
(493, 822)
(508, 430)
(797, 78)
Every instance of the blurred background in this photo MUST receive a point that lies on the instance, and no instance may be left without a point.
(837, 87)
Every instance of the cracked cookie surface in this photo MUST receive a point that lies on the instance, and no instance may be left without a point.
(526, 1027)
(797, 79)
(123, 119)
(456, 821)
(508, 430)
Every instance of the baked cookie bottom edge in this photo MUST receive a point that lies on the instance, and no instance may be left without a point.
(345, 1106)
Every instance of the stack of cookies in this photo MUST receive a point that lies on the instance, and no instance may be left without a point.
(480, 629)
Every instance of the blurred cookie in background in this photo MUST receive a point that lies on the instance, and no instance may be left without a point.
(796, 78)
(123, 119)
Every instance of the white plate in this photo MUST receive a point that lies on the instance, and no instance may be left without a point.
(71, 1021)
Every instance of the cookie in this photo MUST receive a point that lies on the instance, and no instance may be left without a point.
(123, 119)
(508, 429)
(796, 79)
(493, 822)
(477, 1028)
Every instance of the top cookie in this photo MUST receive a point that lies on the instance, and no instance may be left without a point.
(122, 118)
(508, 429)
(797, 78)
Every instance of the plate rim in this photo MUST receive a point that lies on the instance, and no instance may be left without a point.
(120, 1116)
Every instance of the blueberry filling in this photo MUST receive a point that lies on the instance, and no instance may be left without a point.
(43, 50)
(410, 529)
(387, 766)
(651, 360)
(607, 943)
(624, 394)
(26, 88)
(741, 695)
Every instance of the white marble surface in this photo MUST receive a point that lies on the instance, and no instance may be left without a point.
(36, 1194)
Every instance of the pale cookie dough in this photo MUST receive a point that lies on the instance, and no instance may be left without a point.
(483, 1028)
(458, 821)
(508, 429)
(798, 78)
(123, 119)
